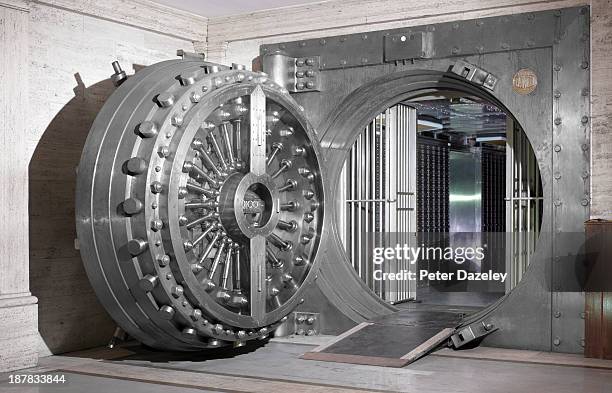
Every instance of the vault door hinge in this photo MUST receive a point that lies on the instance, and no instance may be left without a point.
(296, 74)
(474, 74)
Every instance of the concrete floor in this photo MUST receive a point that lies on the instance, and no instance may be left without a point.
(276, 367)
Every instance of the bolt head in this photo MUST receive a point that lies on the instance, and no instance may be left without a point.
(156, 187)
(147, 129)
(157, 225)
(148, 282)
(165, 100)
(137, 246)
(166, 312)
(163, 260)
(177, 291)
(132, 206)
(136, 165)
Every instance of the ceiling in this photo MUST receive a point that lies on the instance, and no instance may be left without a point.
(212, 8)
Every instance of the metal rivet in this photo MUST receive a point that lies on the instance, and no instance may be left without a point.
(585, 202)
(557, 67)
(582, 315)
(322, 42)
(455, 50)
(585, 147)
(343, 62)
(302, 44)
(557, 148)
(557, 314)
(137, 246)
(479, 23)
(585, 174)
(557, 341)
(505, 46)
(584, 92)
(584, 65)
(557, 94)
(557, 175)
(584, 119)
(558, 121)
(557, 202)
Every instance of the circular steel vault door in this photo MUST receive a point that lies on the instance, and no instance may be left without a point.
(199, 205)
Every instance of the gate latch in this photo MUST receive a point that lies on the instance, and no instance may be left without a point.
(471, 333)
(474, 74)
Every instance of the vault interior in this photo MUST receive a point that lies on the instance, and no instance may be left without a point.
(435, 167)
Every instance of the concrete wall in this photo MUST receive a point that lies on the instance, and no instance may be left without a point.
(61, 50)
(227, 44)
(18, 317)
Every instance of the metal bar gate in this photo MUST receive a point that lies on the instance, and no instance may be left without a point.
(524, 202)
(379, 184)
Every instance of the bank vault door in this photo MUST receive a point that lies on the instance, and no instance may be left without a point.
(535, 66)
(377, 194)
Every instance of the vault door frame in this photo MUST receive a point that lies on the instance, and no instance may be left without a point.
(343, 82)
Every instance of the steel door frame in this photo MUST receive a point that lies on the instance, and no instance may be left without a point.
(354, 77)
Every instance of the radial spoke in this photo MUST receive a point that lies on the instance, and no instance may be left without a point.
(258, 277)
(257, 154)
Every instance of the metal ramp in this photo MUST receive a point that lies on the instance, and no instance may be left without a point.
(393, 340)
